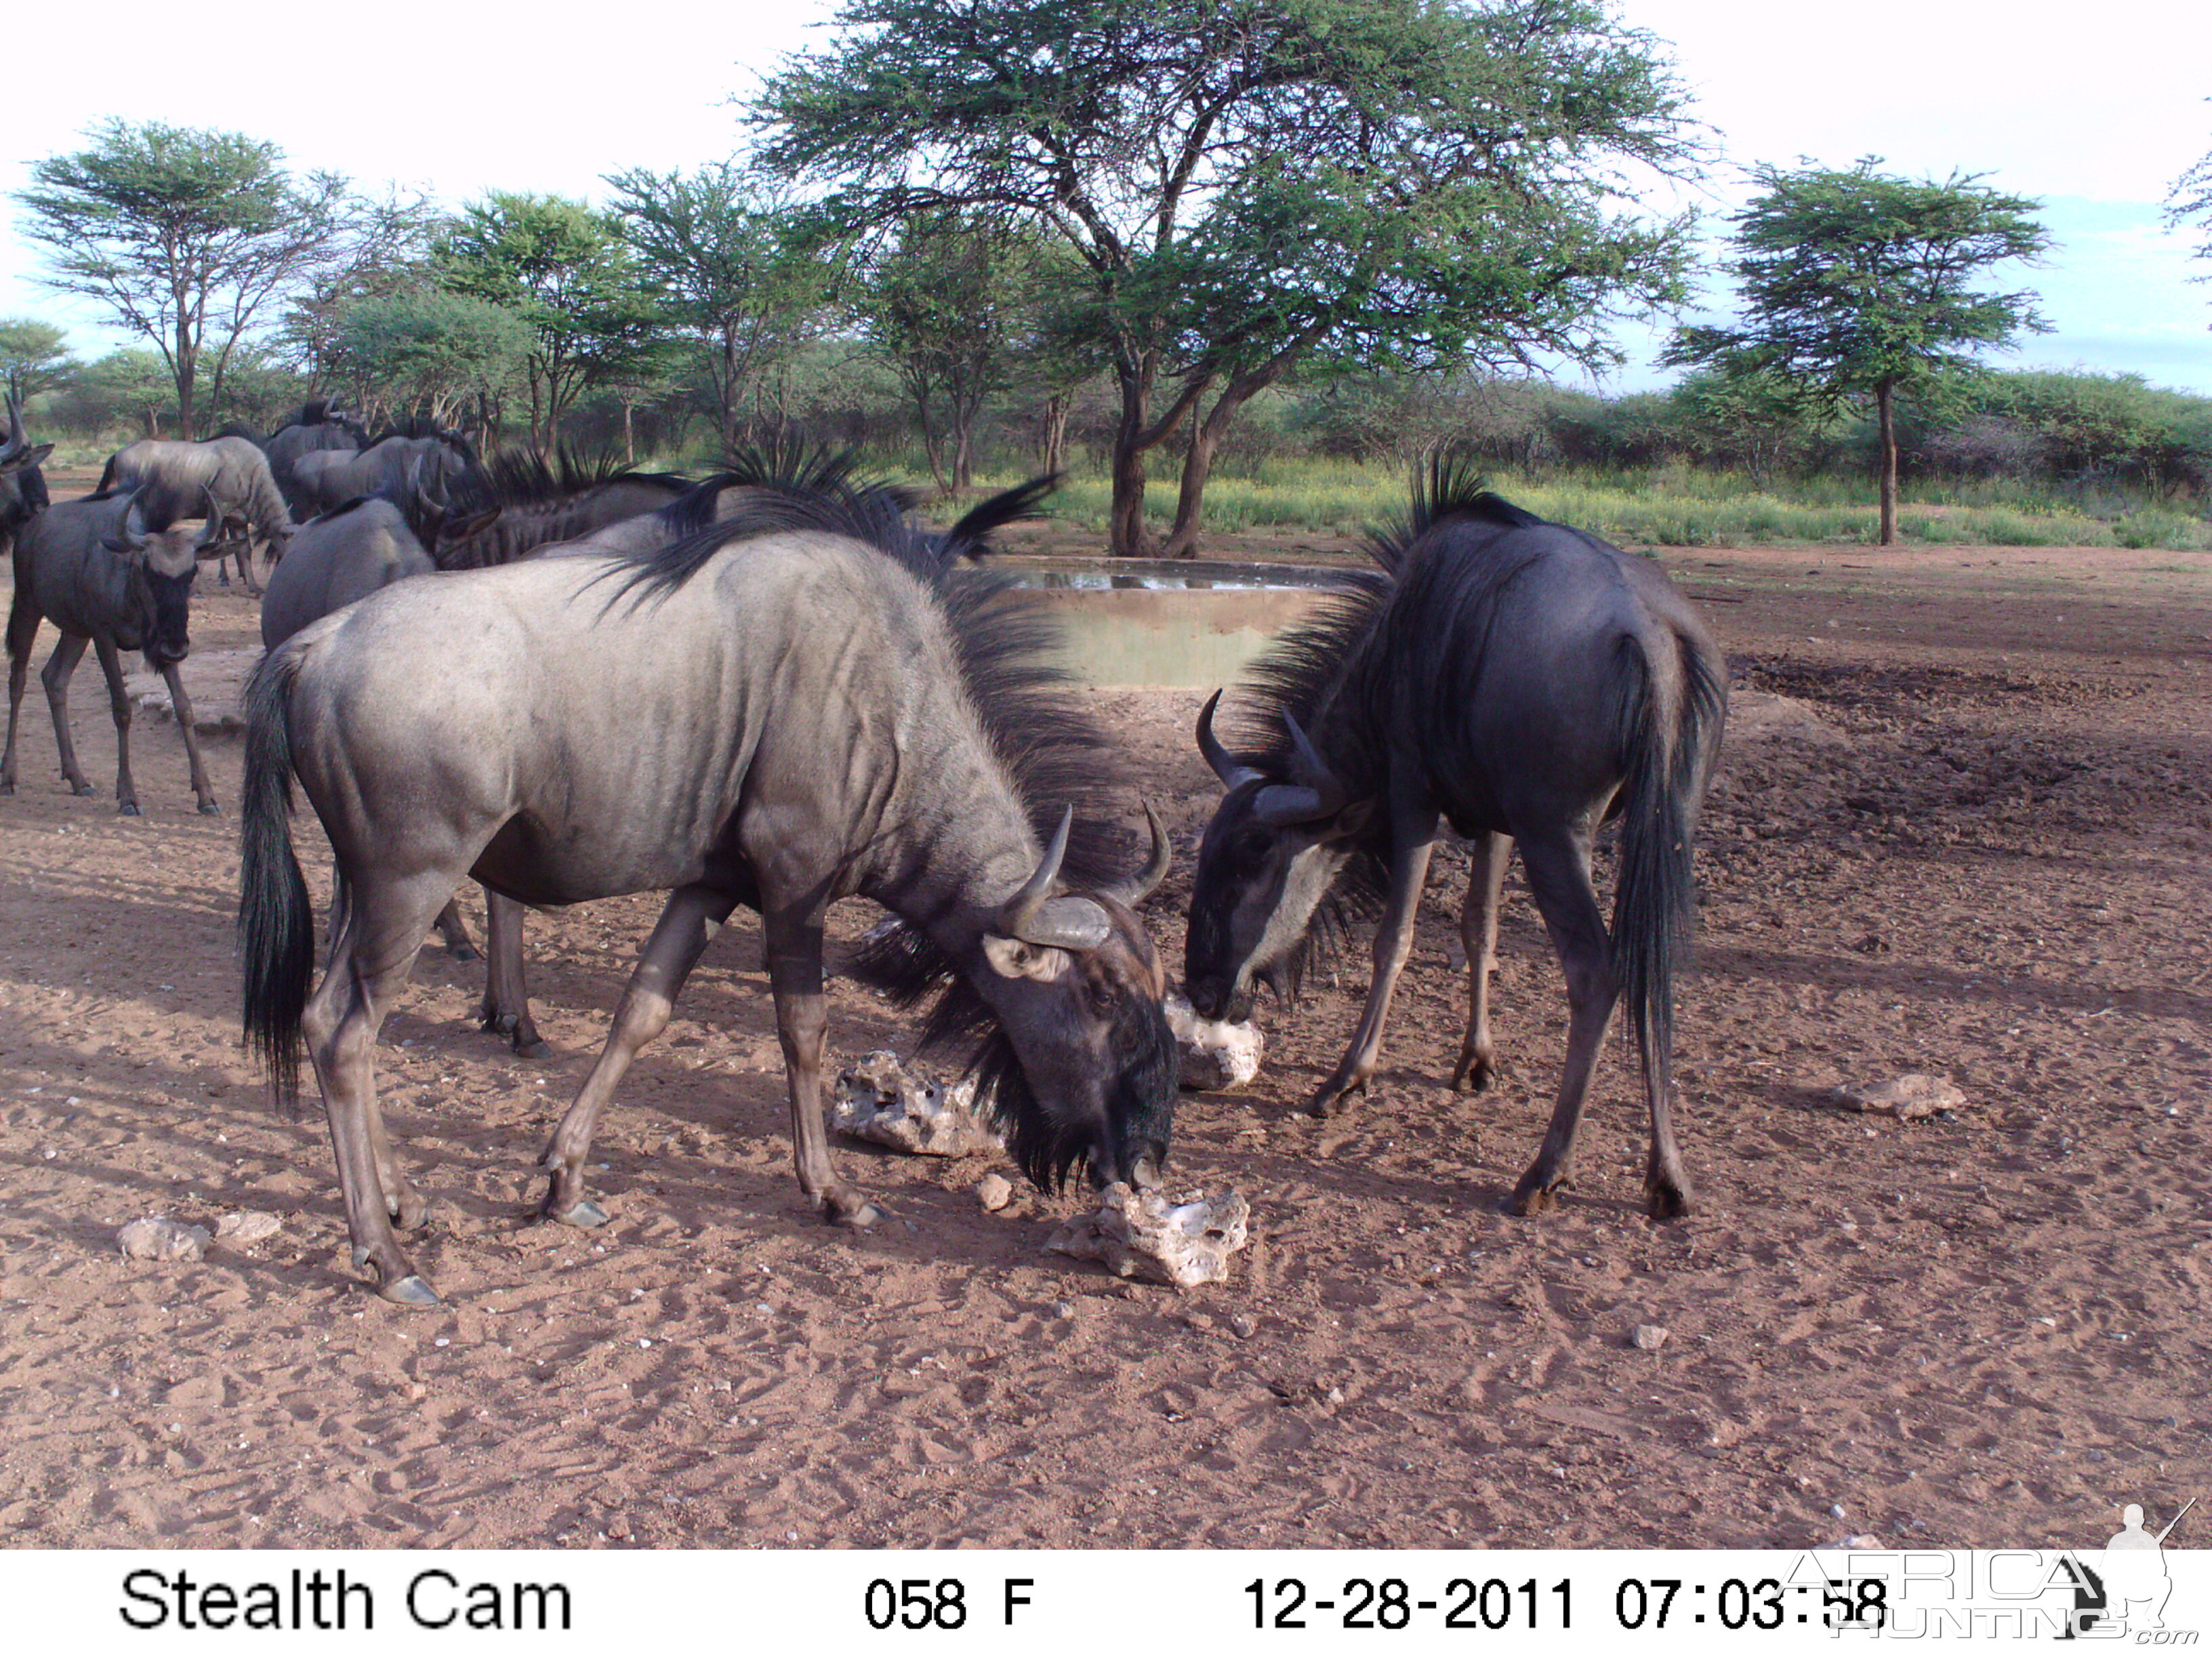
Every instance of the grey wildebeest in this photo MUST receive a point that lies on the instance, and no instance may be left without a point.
(232, 470)
(1525, 682)
(22, 485)
(415, 456)
(806, 700)
(110, 575)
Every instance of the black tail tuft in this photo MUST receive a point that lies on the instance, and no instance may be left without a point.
(1658, 890)
(275, 921)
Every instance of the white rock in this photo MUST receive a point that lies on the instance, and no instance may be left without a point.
(241, 1227)
(882, 1101)
(994, 1192)
(1216, 1055)
(1649, 1338)
(1183, 1240)
(1915, 1095)
(157, 1238)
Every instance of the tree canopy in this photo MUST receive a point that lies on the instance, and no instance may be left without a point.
(1418, 182)
(34, 356)
(2189, 201)
(1856, 284)
(184, 234)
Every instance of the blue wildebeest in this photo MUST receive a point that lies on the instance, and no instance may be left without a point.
(412, 457)
(22, 485)
(108, 574)
(805, 701)
(316, 428)
(232, 470)
(1525, 682)
(520, 504)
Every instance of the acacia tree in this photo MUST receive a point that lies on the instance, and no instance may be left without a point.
(184, 234)
(738, 268)
(1404, 183)
(1859, 286)
(565, 271)
(2189, 201)
(34, 356)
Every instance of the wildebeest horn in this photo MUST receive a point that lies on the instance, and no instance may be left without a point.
(1226, 767)
(16, 443)
(1141, 886)
(1033, 916)
(1314, 794)
(133, 531)
(212, 531)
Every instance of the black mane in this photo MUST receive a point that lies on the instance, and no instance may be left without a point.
(521, 477)
(414, 426)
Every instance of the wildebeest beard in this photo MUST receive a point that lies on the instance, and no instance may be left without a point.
(906, 967)
(1355, 896)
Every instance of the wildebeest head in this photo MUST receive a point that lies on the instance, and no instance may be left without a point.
(18, 455)
(1088, 1073)
(163, 563)
(1276, 846)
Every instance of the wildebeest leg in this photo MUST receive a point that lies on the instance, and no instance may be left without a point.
(1478, 932)
(506, 1006)
(119, 705)
(182, 703)
(1559, 878)
(794, 972)
(693, 916)
(55, 677)
(22, 634)
(1413, 836)
(372, 951)
(455, 932)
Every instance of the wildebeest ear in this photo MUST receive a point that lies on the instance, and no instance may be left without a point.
(30, 457)
(1014, 958)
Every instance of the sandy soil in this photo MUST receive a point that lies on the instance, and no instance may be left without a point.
(1964, 829)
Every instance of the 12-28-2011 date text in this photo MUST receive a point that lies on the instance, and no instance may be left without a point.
(1393, 1604)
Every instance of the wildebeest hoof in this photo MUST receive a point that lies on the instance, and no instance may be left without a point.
(128, 809)
(462, 950)
(1474, 1073)
(83, 789)
(412, 1292)
(582, 1213)
(208, 809)
(1665, 1201)
(534, 1047)
(850, 1210)
(1531, 1198)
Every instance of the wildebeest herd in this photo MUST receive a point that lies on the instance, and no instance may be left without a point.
(771, 688)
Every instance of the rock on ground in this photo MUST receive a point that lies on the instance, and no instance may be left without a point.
(883, 1101)
(1182, 1240)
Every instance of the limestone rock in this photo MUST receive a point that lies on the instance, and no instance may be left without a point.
(994, 1192)
(1915, 1095)
(157, 1238)
(242, 1227)
(1181, 1240)
(1649, 1338)
(882, 1101)
(1216, 1055)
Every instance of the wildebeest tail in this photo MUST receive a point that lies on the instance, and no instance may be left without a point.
(106, 477)
(275, 921)
(1665, 749)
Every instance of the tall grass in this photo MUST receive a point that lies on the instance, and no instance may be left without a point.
(1669, 506)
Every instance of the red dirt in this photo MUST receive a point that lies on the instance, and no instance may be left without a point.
(1972, 842)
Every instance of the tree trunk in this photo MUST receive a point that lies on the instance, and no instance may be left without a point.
(630, 436)
(1052, 443)
(1204, 440)
(1888, 416)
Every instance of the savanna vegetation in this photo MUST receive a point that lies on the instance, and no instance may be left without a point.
(1204, 235)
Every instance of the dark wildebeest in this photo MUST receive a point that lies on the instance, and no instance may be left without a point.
(22, 485)
(1525, 681)
(803, 702)
(316, 428)
(413, 456)
(109, 574)
(232, 470)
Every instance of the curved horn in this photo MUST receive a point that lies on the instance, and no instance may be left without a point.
(1226, 767)
(16, 443)
(132, 532)
(1141, 886)
(1034, 917)
(1315, 794)
(211, 533)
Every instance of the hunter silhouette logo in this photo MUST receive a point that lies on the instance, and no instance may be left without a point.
(2125, 1592)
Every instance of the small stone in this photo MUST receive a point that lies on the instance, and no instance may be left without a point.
(1915, 1095)
(994, 1192)
(1243, 1323)
(1063, 1310)
(243, 1227)
(157, 1238)
(1216, 1055)
(1649, 1338)
(1837, 1510)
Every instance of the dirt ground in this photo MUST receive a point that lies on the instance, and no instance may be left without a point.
(1964, 828)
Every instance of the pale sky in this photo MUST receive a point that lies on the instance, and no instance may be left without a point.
(2094, 109)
